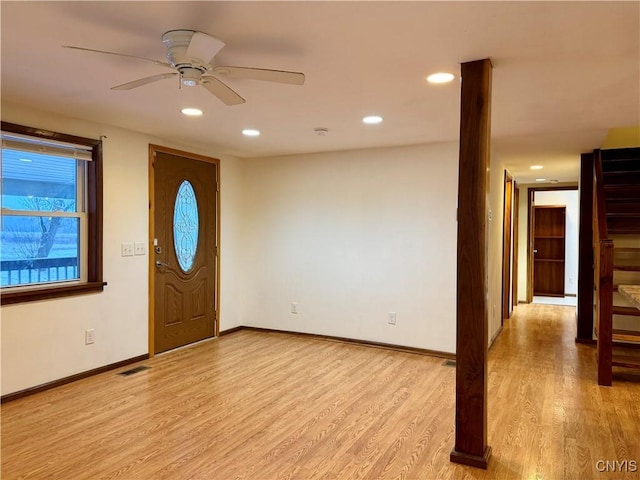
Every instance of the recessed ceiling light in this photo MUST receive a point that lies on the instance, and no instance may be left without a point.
(541, 179)
(250, 132)
(440, 77)
(536, 167)
(372, 120)
(192, 112)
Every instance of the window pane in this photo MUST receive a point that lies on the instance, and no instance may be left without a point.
(185, 225)
(38, 182)
(39, 249)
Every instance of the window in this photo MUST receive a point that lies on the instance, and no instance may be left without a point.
(51, 225)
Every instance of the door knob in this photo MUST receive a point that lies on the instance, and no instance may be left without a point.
(535, 251)
(161, 264)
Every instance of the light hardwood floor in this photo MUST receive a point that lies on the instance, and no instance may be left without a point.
(263, 406)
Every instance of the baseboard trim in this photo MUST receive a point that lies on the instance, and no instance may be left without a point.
(230, 330)
(364, 343)
(495, 336)
(63, 381)
(471, 460)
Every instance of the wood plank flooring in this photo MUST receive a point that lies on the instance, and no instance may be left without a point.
(263, 406)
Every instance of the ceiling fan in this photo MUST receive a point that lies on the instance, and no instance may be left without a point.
(192, 55)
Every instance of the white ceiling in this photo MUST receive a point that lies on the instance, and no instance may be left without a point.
(564, 72)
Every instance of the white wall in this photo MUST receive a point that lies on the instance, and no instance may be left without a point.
(44, 341)
(351, 236)
(495, 235)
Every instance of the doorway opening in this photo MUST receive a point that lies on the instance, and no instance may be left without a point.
(552, 245)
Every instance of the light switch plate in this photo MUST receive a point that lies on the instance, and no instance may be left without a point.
(139, 248)
(127, 249)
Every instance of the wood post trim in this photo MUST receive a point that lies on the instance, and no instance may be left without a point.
(472, 329)
(585, 250)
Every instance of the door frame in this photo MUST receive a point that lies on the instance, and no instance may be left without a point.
(153, 149)
(530, 204)
(516, 229)
(507, 238)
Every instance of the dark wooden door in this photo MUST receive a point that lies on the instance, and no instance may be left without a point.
(184, 250)
(549, 250)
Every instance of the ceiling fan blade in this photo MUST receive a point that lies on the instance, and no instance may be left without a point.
(220, 90)
(280, 76)
(143, 81)
(155, 62)
(204, 47)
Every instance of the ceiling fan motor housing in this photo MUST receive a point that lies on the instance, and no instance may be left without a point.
(176, 42)
(191, 69)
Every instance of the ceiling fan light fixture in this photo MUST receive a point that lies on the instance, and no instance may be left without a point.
(192, 112)
(190, 76)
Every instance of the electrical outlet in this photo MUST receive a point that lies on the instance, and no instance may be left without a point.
(127, 249)
(89, 336)
(139, 248)
(391, 318)
(294, 308)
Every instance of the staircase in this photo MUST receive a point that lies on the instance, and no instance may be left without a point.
(617, 259)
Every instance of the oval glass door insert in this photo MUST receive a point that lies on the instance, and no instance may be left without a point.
(185, 225)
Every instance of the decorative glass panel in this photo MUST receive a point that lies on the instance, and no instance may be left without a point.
(185, 225)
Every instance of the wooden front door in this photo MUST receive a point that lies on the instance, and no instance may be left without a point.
(549, 250)
(184, 251)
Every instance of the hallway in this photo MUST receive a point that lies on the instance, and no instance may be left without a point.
(547, 415)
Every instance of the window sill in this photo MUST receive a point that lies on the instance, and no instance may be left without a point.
(23, 296)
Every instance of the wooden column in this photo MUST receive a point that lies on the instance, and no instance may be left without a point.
(585, 251)
(471, 348)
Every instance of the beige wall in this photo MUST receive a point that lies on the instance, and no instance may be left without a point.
(44, 341)
(350, 237)
(495, 237)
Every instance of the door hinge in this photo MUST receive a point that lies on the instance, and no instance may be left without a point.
(217, 186)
